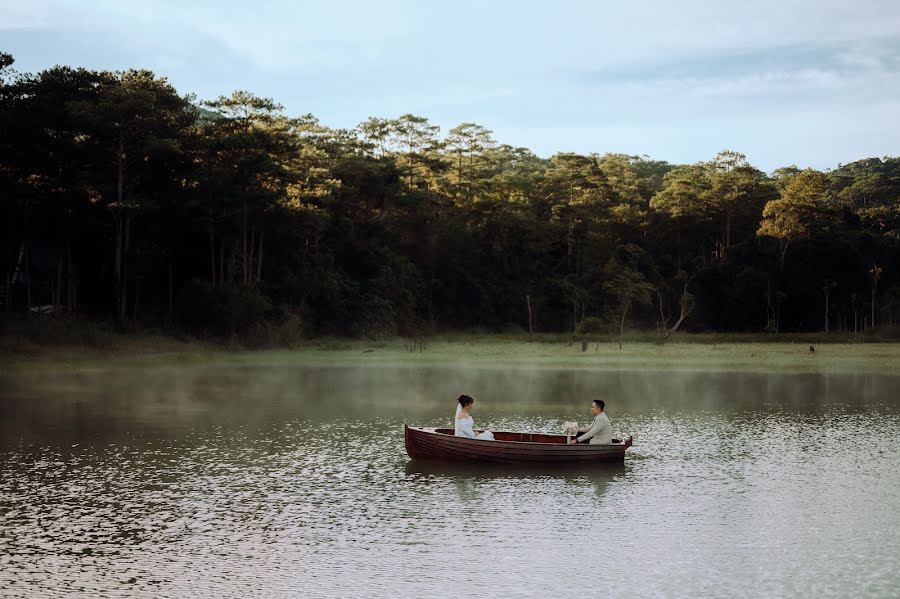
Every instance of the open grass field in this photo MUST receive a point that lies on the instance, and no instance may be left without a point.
(731, 352)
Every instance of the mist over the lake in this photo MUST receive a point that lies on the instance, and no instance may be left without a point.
(279, 478)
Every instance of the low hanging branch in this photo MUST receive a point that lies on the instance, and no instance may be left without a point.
(664, 333)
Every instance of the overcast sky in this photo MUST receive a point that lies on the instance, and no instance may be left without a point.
(813, 83)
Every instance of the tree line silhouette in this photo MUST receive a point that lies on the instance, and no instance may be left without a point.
(126, 201)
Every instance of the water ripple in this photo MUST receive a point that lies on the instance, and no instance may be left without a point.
(779, 499)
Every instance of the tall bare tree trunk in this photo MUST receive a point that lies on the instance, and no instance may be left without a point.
(70, 283)
(530, 319)
(876, 272)
(222, 262)
(777, 316)
(259, 257)
(212, 253)
(137, 297)
(9, 254)
(575, 317)
(28, 278)
(170, 287)
(251, 258)
(669, 332)
(727, 234)
(784, 249)
(118, 216)
(57, 294)
(663, 321)
(678, 247)
(622, 323)
(123, 273)
(578, 324)
(244, 239)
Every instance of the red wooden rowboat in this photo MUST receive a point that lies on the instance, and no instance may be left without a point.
(507, 447)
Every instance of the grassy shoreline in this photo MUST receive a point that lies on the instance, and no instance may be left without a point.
(686, 352)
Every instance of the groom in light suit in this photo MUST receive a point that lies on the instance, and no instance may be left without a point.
(600, 430)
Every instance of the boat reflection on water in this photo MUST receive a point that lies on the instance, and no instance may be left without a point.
(468, 476)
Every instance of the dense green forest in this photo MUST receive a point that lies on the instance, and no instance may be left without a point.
(127, 202)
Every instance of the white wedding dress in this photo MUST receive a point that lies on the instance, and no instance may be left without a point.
(465, 428)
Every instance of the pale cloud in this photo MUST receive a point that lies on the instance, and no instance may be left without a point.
(758, 84)
(24, 17)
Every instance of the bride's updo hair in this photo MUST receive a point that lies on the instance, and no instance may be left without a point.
(465, 400)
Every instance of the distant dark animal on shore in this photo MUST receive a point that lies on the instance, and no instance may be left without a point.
(812, 350)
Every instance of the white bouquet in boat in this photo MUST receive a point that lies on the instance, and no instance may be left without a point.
(570, 428)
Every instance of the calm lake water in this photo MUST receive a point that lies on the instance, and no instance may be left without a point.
(293, 481)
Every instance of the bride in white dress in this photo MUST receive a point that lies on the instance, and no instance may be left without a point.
(464, 423)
